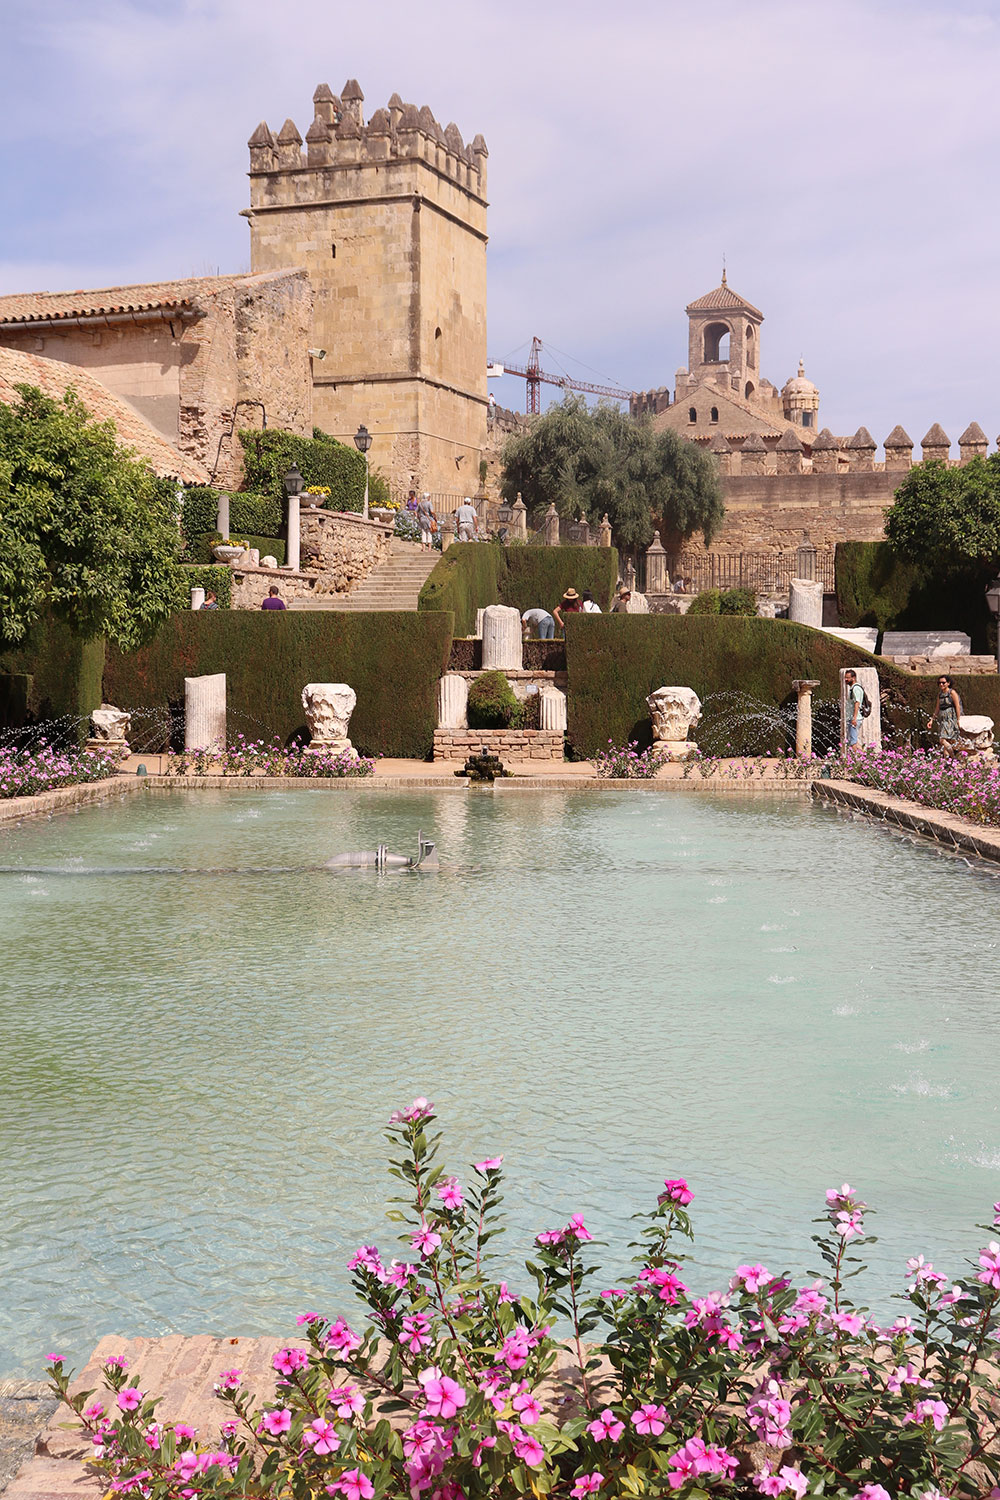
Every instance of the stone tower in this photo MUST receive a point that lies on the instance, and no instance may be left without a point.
(800, 399)
(389, 219)
(724, 341)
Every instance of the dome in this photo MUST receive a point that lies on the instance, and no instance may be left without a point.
(799, 385)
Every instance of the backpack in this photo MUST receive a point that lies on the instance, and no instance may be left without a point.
(866, 704)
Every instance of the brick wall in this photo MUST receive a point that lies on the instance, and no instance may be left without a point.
(509, 744)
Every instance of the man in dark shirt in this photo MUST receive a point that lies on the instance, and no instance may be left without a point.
(273, 601)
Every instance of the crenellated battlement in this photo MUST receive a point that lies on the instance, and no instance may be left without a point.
(339, 138)
(828, 454)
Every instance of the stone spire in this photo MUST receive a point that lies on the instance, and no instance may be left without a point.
(825, 452)
(973, 443)
(861, 452)
(326, 105)
(789, 452)
(753, 455)
(898, 449)
(262, 148)
(352, 99)
(289, 145)
(936, 444)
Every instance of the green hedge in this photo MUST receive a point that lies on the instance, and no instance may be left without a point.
(321, 459)
(614, 662)
(249, 515)
(214, 576)
(392, 660)
(875, 587)
(200, 549)
(471, 575)
(65, 673)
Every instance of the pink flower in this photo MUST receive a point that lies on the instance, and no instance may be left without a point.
(615, 1292)
(229, 1429)
(529, 1450)
(796, 1482)
(116, 1361)
(514, 1350)
(443, 1395)
(425, 1240)
(416, 1334)
(810, 1300)
(489, 1164)
(450, 1193)
(669, 1287)
(676, 1190)
(872, 1492)
(769, 1415)
(527, 1408)
(277, 1422)
(229, 1380)
(989, 1259)
(348, 1401)
(342, 1338)
(928, 1411)
(184, 1433)
(577, 1229)
(420, 1109)
(505, 1295)
(650, 1418)
(695, 1458)
(477, 1456)
(550, 1237)
(321, 1436)
(129, 1398)
(851, 1323)
(93, 1411)
(307, 1318)
(55, 1359)
(751, 1278)
(586, 1484)
(606, 1428)
(287, 1361)
(354, 1485)
(367, 1257)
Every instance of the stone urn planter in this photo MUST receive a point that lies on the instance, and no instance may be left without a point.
(380, 513)
(226, 554)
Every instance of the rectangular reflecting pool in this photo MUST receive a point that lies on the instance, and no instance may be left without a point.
(204, 1032)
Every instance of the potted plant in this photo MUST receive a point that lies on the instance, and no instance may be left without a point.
(228, 549)
(315, 496)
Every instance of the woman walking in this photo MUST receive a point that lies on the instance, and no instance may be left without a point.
(427, 521)
(947, 713)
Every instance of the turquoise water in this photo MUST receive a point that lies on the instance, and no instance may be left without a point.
(204, 1035)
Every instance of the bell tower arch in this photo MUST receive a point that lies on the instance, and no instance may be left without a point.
(724, 340)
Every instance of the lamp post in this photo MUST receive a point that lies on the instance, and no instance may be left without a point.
(993, 600)
(293, 485)
(363, 441)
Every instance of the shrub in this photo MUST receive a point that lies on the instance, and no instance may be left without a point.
(63, 674)
(877, 587)
(627, 761)
(213, 576)
(249, 516)
(935, 778)
(492, 704)
(708, 602)
(26, 773)
(322, 460)
(451, 1389)
(476, 574)
(245, 757)
(738, 602)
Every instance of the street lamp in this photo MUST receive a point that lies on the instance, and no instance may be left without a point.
(993, 600)
(293, 485)
(293, 482)
(363, 441)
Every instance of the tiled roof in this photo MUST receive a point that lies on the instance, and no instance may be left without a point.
(36, 307)
(54, 378)
(723, 297)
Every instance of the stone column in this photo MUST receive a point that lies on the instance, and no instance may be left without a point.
(552, 709)
(478, 632)
(502, 639)
(205, 712)
(328, 707)
(222, 514)
(294, 533)
(804, 716)
(109, 728)
(805, 602)
(870, 731)
(675, 711)
(453, 699)
(605, 531)
(447, 525)
(657, 581)
(519, 520)
(551, 527)
(197, 598)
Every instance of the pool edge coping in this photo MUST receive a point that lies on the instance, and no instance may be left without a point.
(944, 828)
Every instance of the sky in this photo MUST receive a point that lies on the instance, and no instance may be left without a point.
(840, 155)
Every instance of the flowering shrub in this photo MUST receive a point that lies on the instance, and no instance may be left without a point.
(25, 773)
(450, 1390)
(627, 760)
(935, 778)
(256, 758)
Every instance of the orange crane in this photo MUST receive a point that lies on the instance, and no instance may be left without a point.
(534, 375)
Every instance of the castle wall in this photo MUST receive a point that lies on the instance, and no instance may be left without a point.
(772, 512)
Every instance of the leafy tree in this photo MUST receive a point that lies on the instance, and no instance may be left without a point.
(600, 460)
(948, 520)
(86, 529)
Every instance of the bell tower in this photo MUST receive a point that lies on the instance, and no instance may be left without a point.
(724, 341)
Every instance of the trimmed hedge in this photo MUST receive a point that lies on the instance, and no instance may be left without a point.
(471, 575)
(212, 576)
(249, 515)
(392, 660)
(875, 587)
(614, 662)
(65, 675)
(200, 550)
(321, 459)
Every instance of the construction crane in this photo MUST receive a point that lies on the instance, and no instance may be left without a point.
(534, 375)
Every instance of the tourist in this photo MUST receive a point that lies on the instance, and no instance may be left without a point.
(589, 606)
(273, 600)
(541, 622)
(569, 604)
(621, 604)
(211, 600)
(427, 521)
(855, 698)
(947, 713)
(411, 501)
(467, 521)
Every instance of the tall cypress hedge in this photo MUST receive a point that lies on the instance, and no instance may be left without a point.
(65, 672)
(614, 662)
(392, 660)
(471, 575)
(876, 587)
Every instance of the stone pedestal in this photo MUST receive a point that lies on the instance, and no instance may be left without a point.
(222, 514)
(552, 709)
(976, 735)
(205, 712)
(447, 525)
(551, 527)
(675, 711)
(605, 531)
(328, 707)
(870, 729)
(294, 534)
(453, 700)
(479, 624)
(805, 602)
(657, 581)
(804, 716)
(519, 520)
(502, 638)
(109, 728)
(197, 598)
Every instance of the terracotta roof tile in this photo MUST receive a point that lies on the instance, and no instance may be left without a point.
(723, 297)
(36, 307)
(54, 378)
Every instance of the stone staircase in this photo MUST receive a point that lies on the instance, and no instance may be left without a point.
(396, 584)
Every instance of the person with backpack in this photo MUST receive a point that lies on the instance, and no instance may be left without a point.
(947, 713)
(858, 707)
